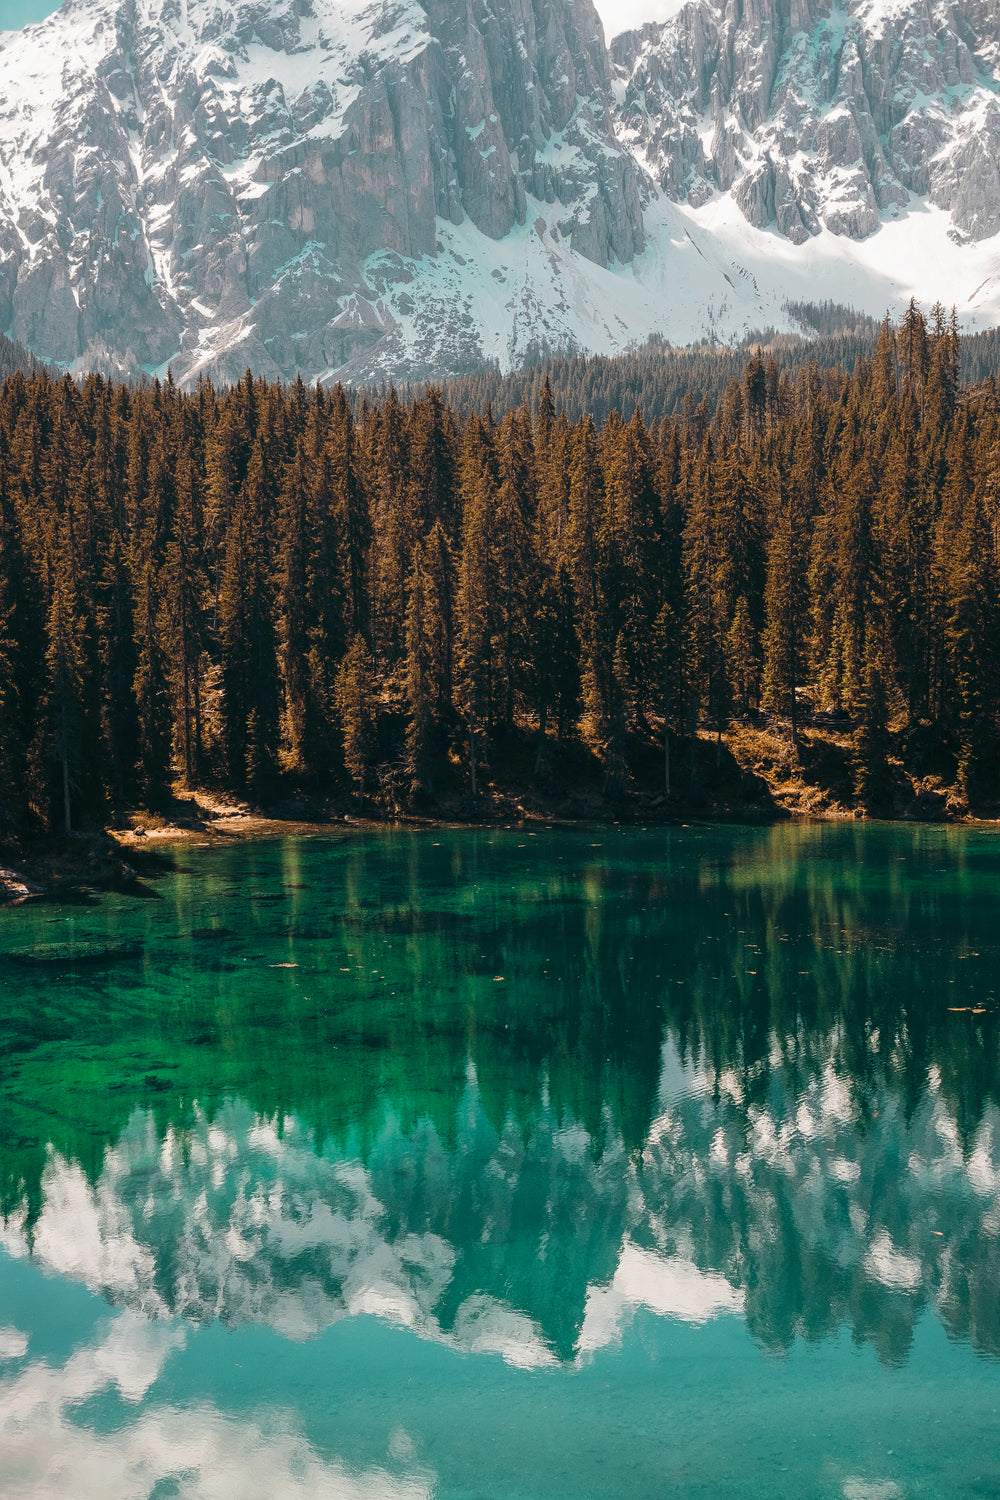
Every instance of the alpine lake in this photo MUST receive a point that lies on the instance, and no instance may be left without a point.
(509, 1163)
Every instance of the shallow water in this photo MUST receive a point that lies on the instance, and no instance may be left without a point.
(508, 1164)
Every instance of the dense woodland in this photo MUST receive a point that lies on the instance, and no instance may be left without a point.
(664, 381)
(264, 588)
(658, 378)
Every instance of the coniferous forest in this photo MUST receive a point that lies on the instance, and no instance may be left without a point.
(278, 586)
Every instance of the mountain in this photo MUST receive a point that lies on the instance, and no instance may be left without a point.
(813, 116)
(400, 189)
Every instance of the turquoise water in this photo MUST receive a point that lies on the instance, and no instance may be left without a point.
(508, 1164)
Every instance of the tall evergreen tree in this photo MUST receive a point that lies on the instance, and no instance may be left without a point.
(185, 587)
(424, 672)
(355, 693)
(786, 607)
(474, 612)
(247, 637)
(68, 702)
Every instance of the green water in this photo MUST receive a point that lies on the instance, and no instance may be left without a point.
(502, 1164)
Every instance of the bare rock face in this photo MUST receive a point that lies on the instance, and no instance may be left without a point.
(399, 188)
(817, 114)
(251, 181)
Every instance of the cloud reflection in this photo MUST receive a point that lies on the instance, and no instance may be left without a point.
(536, 1244)
(193, 1454)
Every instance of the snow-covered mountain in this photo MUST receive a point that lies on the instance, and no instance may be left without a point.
(397, 188)
(815, 116)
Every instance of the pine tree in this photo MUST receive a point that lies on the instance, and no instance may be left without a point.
(350, 509)
(915, 355)
(185, 587)
(432, 477)
(247, 637)
(292, 606)
(150, 689)
(942, 372)
(743, 658)
(66, 698)
(669, 650)
(474, 613)
(856, 583)
(871, 741)
(114, 600)
(553, 677)
(424, 672)
(18, 626)
(706, 662)
(394, 531)
(512, 564)
(440, 566)
(883, 382)
(786, 606)
(970, 624)
(355, 695)
(631, 582)
(903, 531)
(586, 517)
(326, 607)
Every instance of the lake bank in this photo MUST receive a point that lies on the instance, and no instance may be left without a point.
(750, 774)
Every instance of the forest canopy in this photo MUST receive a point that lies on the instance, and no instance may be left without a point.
(277, 585)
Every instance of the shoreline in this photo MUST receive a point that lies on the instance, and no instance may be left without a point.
(750, 776)
(115, 859)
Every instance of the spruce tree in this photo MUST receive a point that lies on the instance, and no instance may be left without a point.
(393, 530)
(512, 564)
(185, 587)
(871, 740)
(786, 606)
(475, 614)
(292, 607)
(424, 673)
(247, 637)
(631, 574)
(67, 705)
(350, 511)
(743, 658)
(584, 534)
(970, 625)
(18, 626)
(150, 689)
(355, 697)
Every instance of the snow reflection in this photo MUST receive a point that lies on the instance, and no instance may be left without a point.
(535, 1243)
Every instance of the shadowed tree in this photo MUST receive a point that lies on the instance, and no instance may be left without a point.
(355, 694)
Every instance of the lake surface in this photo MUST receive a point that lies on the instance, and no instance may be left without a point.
(501, 1164)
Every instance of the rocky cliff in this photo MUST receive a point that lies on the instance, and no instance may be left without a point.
(402, 189)
(816, 114)
(240, 184)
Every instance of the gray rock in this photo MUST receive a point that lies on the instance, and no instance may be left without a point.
(817, 122)
(243, 178)
(324, 188)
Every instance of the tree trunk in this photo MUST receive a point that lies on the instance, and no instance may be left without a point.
(666, 727)
(65, 786)
(543, 718)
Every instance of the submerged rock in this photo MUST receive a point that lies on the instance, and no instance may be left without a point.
(70, 953)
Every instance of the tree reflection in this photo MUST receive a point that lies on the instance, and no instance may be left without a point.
(769, 1056)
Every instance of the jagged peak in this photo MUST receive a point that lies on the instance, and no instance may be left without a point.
(347, 187)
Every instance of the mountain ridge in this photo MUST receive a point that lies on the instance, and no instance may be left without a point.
(402, 191)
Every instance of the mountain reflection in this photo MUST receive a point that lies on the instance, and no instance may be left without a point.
(528, 1243)
(507, 1103)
